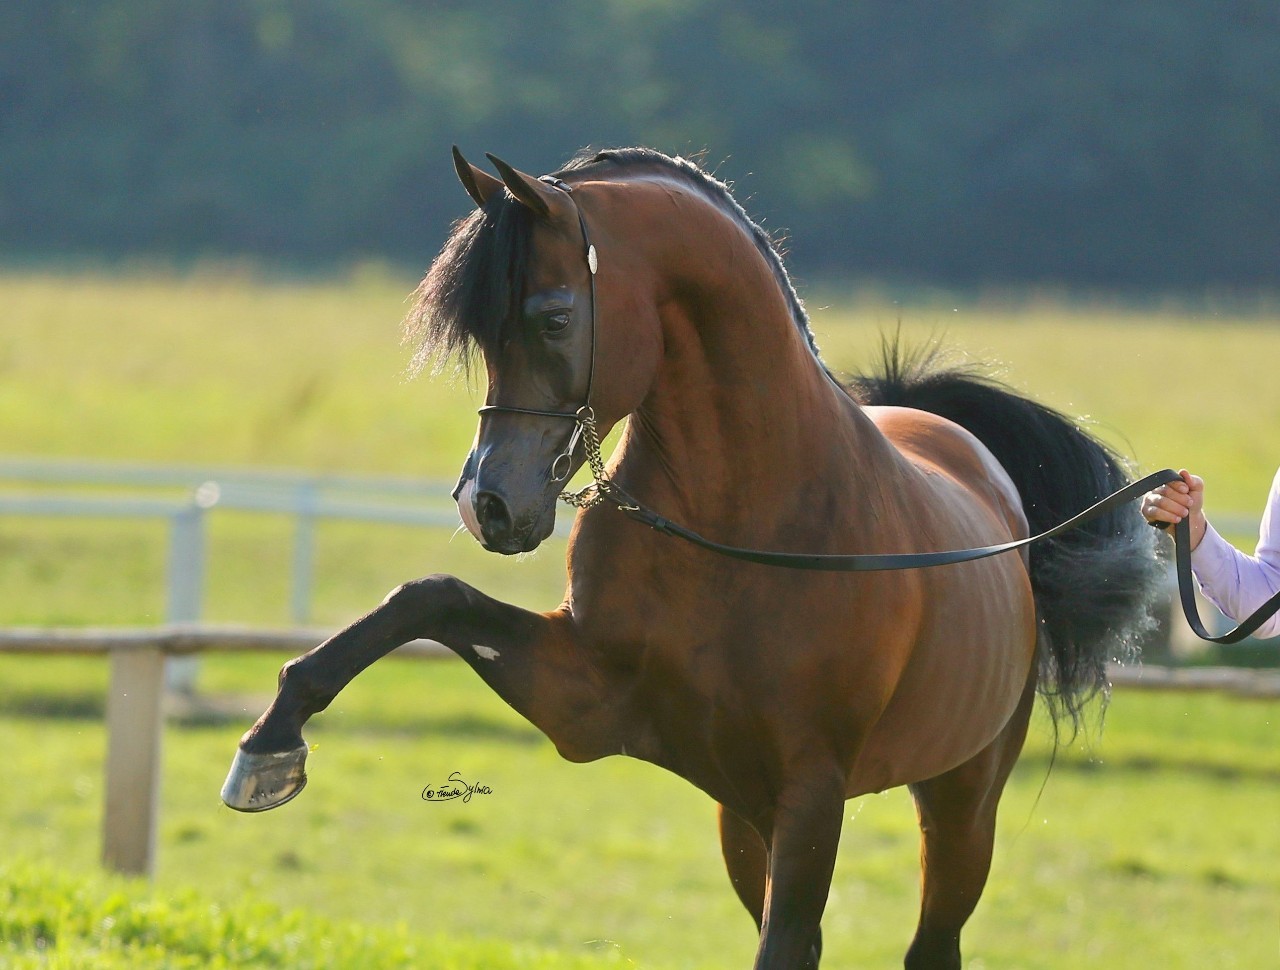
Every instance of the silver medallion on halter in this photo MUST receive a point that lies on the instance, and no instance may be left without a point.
(592, 263)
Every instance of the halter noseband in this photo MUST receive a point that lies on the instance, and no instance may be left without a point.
(584, 418)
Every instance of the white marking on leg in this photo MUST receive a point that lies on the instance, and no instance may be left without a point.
(485, 653)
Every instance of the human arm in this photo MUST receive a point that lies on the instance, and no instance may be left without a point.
(1235, 582)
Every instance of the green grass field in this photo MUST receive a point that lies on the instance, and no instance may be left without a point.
(50, 919)
(1154, 844)
(231, 369)
(1157, 845)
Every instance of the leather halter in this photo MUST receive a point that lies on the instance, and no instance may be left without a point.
(563, 464)
(602, 489)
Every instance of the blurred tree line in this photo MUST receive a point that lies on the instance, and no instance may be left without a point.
(1101, 142)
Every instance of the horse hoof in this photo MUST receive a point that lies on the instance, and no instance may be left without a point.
(257, 782)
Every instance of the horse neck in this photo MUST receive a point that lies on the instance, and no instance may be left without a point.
(742, 416)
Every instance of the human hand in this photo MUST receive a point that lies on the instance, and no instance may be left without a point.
(1175, 501)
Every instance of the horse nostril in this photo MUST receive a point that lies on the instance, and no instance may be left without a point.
(492, 513)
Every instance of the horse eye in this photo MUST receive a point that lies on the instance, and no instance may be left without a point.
(557, 321)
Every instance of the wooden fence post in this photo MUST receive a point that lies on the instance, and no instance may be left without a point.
(135, 724)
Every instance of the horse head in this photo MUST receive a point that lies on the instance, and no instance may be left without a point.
(542, 347)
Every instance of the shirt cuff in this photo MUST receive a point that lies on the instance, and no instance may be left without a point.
(1214, 561)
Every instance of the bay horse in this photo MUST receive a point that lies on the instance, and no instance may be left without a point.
(631, 285)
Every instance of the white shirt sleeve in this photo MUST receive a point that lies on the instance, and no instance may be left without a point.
(1236, 583)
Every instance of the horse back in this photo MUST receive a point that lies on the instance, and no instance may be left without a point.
(968, 471)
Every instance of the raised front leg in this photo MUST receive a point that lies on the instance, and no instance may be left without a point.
(802, 857)
(534, 661)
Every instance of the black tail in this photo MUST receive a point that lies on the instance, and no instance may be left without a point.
(1094, 586)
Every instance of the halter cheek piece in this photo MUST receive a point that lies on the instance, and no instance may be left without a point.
(584, 418)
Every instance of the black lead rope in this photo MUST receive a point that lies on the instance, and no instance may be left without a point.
(1186, 587)
(880, 562)
(917, 560)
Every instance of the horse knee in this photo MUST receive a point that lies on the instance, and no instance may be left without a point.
(440, 595)
(302, 683)
(428, 607)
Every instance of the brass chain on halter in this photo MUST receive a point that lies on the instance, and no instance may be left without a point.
(601, 486)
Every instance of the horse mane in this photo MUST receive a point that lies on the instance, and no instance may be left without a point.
(472, 291)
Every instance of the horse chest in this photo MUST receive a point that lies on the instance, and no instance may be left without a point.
(710, 744)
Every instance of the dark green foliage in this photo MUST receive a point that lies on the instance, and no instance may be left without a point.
(1115, 144)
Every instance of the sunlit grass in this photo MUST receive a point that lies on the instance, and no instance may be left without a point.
(51, 919)
(214, 370)
(1156, 851)
(240, 370)
(245, 371)
(1153, 842)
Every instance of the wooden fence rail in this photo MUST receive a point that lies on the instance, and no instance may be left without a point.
(135, 708)
(135, 712)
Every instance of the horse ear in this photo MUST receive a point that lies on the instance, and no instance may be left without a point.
(480, 185)
(545, 200)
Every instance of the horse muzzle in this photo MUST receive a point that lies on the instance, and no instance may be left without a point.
(489, 516)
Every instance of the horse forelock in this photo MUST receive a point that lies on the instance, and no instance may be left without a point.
(473, 289)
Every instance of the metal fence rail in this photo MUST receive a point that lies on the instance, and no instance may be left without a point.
(306, 497)
(184, 582)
